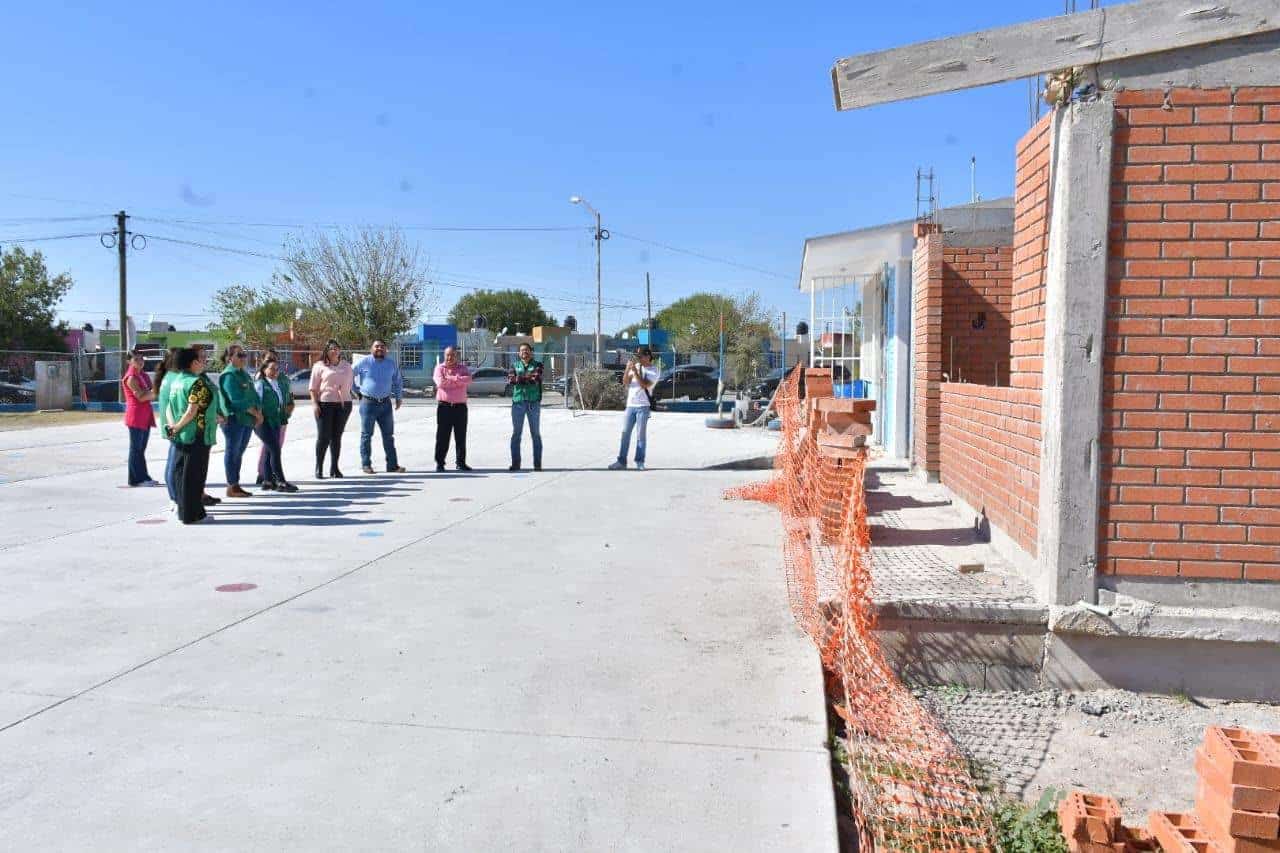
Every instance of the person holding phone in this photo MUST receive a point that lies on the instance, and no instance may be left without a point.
(639, 377)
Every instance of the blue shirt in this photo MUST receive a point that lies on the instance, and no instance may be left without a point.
(378, 377)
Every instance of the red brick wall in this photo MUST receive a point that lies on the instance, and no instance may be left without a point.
(990, 437)
(990, 454)
(1191, 447)
(976, 281)
(926, 344)
(1030, 251)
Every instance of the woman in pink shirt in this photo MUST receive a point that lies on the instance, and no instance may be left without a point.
(135, 386)
(452, 378)
(331, 382)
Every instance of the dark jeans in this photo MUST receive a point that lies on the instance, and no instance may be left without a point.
(329, 427)
(263, 470)
(237, 436)
(138, 455)
(382, 414)
(270, 438)
(189, 475)
(169, 464)
(451, 418)
(520, 412)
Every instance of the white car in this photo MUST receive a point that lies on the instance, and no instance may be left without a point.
(488, 380)
(300, 383)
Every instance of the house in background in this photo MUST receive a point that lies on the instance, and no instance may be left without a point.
(860, 297)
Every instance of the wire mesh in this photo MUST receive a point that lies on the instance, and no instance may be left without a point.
(911, 786)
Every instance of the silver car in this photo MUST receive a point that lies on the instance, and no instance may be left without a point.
(488, 380)
(300, 383)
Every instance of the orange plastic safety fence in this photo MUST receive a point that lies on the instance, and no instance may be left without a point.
(911, 786)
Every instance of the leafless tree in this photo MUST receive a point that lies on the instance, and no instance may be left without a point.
(357, 285)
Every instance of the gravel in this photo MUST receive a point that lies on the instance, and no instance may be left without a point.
(1137, 748)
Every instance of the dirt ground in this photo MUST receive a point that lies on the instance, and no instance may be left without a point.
(10, 421)
(1137, 748)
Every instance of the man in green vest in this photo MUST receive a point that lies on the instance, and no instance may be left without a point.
(525, 377)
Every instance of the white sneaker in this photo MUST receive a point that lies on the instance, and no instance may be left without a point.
(639, 466)
(173, 509)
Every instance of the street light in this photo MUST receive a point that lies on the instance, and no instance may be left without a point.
(600, 236)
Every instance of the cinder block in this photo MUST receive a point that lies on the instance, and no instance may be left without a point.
(1215, 812)
(1090, 818)
(1238, 796)
(1248, 759)
(1181, 832)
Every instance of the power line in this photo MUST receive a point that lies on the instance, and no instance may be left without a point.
(442, 282)
(41, 220)
(700, 255)
(53, 237)
(327, 225)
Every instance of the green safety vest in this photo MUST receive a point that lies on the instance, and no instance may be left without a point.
(204, 427)
(274, 408)
(239, 395)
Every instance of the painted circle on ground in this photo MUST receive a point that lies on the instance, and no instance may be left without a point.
(369, 534)
(235, 587)
(152, 520)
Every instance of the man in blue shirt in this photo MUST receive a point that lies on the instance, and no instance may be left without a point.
(377, 385)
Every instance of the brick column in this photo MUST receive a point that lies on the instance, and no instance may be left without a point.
(926, 296)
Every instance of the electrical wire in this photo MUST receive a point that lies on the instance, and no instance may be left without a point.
(52, 237)
(40, 220)
(327, 225)
(442, 281)
(699, 255)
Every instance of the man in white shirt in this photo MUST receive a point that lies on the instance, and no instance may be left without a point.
(639, 377)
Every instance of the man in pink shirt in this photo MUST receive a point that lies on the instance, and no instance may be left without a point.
(452, 378)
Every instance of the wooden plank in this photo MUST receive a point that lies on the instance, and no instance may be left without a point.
(1051, 44)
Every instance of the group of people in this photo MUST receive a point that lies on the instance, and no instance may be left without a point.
(191, 407)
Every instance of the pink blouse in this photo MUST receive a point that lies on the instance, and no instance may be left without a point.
(137, 413)
(332, 383)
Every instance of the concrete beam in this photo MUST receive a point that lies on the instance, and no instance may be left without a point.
(1075, 331)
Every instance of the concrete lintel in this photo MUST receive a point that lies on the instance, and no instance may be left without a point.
(1075, 331)
(1250, 61)
(1129, 617)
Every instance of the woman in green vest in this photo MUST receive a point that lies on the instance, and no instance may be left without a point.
(243, 413)
(277, 405)
(191, 423)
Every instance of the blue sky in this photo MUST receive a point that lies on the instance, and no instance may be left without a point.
(706, 126)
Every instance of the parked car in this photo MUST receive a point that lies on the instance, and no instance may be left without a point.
(300, 383)
(766, 387)
(22, 391)
(489, 380)
(683, 382)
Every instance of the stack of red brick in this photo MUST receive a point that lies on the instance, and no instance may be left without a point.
(1237, 804)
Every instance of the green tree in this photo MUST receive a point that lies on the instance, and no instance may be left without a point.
(514, 309)
(694, 324)
(28, 303)
(355, 286)
(250, 314)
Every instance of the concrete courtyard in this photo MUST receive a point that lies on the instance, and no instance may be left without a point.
(576, 659)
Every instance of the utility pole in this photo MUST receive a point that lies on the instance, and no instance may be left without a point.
(121, 249)
(599, 310)
(648, 308)
(601, 236)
